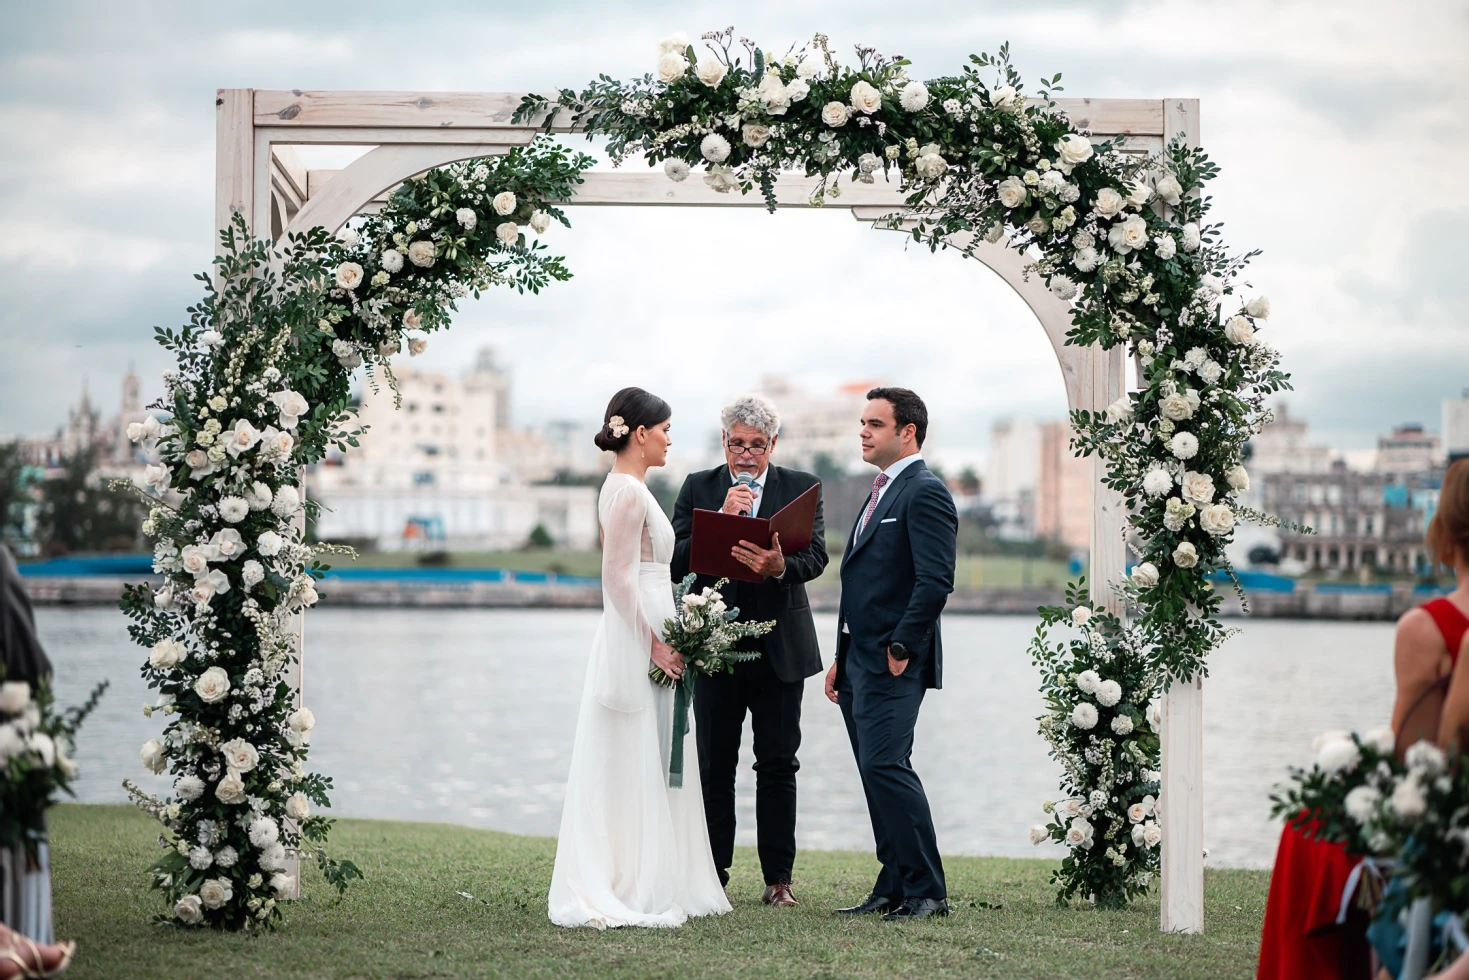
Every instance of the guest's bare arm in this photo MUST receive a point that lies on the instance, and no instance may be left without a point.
(1419, 659)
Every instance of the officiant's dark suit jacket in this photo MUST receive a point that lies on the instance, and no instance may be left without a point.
(791, 648)
(897, 576)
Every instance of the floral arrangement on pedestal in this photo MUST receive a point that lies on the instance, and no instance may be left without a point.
(261, 390)
(1124, 238)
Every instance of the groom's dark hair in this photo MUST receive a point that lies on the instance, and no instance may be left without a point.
(908, 408)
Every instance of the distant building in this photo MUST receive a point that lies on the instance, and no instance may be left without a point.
(1284, 446)
(1456, 426)
(1408, 449)
(1063, 490)
(818, 425)
(1362, 520)
(1011, 473)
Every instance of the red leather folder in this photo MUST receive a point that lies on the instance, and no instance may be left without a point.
(716, 534)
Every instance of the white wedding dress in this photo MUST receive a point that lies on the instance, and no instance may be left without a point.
(632, 851)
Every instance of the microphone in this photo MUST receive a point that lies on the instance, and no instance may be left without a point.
(745, 480)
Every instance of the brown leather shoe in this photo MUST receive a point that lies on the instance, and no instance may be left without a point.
(779, 894)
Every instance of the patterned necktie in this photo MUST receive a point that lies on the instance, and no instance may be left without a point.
(877, 485)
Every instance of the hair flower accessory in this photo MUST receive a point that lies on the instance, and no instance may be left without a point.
(617, 427)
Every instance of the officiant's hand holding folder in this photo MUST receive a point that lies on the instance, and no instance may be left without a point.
(716, 534)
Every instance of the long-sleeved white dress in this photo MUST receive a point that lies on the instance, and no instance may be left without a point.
(632, 851)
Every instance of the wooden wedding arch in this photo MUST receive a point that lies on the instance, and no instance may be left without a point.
(259, 177)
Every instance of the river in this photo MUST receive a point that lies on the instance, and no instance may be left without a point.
(466, 716)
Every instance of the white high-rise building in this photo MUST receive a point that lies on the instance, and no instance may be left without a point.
(1456, 426)
(818, 425)
(1011, 473)
(1285, 447)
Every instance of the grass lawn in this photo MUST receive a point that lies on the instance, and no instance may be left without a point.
(407, 921)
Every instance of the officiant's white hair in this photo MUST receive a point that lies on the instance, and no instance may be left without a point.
(756, 411)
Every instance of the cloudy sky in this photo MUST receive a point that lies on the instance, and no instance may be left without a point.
(1340, 127)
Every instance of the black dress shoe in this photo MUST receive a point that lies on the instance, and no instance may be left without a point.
(917, 908)
(870, 904)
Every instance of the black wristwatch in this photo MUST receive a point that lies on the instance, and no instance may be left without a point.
(897, 651)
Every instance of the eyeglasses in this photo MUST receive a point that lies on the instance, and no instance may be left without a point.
(739, 450)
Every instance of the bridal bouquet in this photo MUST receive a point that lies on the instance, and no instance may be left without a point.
(35, 761)
(703, 631)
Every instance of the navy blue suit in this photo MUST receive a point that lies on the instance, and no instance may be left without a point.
(896, 577)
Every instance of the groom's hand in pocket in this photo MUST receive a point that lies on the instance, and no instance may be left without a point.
(896, 667)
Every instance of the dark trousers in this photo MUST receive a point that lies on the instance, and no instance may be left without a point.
(881, 711)
(774, 705)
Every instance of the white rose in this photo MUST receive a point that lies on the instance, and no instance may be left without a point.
(1120, 410)
(711, 71)
(865, 98)
(719, 178)
(1139, 194)
(166, 653)
(1408, 801)
(349, 275)
(208, 586)
(200, 858)
(211, 338)
(1128, 235)
(809, 67)
(1155, 716)
(1337, 755)
(1212, 283)
(467, 218)
(914, 96)
(163, 598)
(1198, 487)
(930, 165)
(1109, 202)
(189, 910)
(283, 885)
(1361, 801)
(241, 437)
(1003, 97)
(157, 477)
(152, 755)
(292, 405)
(1165, 247)
(230, 789)
(423, 253)
(287, 501)
(714, 148)
(412, 320)
(227, 544)
(189, 788)
(508, 232)
(1074, 149)
(1137, 813)
(1152, 834)
(1217, 519)
(199, 464)
(1011, 192)
(268, 544)
(1081, 615)
(1039, 834)
(1238, 478)
(215, 893)
(1185, 445)
(675, 43)
(301, 720)
(774, 94)
(1145, 576)
(264, 831)
(195, 559)
(417, 345)
(1084, 716)
(1087, 681)
(298, 808)
(835, 114)
(240, 755)
(1238, 330)
(1122, 724)
(1168, 189)
(504, 203)
(213, 685)
(1185, 555)
(1109, 693)
(540, 221)
(252, 572)
(391, 260)
(671, 67)
(1259, 307)
(797, 90)
(754, 134)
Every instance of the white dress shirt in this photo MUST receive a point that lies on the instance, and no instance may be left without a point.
(757, 488)
(892, 474)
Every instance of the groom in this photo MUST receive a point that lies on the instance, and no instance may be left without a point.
(897, 573)
(769, 688)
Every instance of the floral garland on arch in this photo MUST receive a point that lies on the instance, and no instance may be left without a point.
(1124, 239)
(262, 388)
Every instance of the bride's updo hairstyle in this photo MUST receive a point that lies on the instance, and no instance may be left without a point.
(629, 409)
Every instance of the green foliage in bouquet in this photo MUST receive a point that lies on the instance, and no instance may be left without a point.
(703, 631)
(36, 744)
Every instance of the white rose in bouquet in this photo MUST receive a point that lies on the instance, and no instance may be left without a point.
(773, 93)
(1081, 615)
(1004, 97)
(166, 653)
(199, 464)
(835, 114)
(914, 96)
(675, 43)
(230, 789)
(283, 885)
(216, 893)
(349, 275)
(1217, 519)
(1186, 555)
(423, 253)
(1109, 693)
(1238, 478)
(508, 232)
(711, 71)
(1011, 192)
(540, 221)
(1238, 330)
(412, 320)
(1084, 716)
(1073, 149)
(671, 67)
(1128, 235)
(188, 788)
(1039, 834)
(292, 405)
(1168, 189)
(213, 685)
(720, 179)
(1139, 194)
(189, 910)
(241, 437)
(153, 756)
(298, 807)
(1259, 307)
(467, 218)
(930, 163)
(240, 755)
(1120, 410)
(1185, 445)
(227, 544)
(195, 558)
(156, 476)
(797, 90)
(1152, 834)
(504, 203)
(268, 544)
(301, 720)
(865, 98)
(417, 345)
(1145, 575)
(755, 134)
(1108, 202)
(44, 746)
(1080, 833)
(1198, 488)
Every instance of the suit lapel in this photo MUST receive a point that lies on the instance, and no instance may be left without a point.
(884, 506)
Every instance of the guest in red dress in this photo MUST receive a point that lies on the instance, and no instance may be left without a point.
(1302, 939)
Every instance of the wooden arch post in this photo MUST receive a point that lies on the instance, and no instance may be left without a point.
(259, 176)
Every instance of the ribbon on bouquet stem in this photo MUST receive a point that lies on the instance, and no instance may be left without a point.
(683, 699)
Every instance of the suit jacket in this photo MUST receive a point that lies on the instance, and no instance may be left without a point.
(897, 577)
(791, 648)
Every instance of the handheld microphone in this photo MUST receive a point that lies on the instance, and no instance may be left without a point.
(744, 480)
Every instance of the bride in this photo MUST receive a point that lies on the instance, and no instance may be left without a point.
(632, 851)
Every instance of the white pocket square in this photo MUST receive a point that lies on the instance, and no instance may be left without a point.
(887, 520)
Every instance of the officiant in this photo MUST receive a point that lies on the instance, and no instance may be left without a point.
(769, 687)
